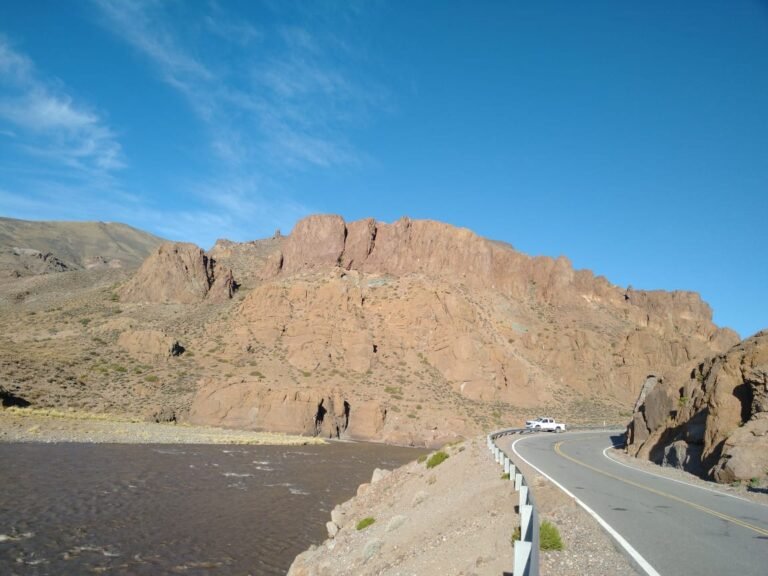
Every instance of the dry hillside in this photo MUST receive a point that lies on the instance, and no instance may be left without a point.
(411, 332)
(40, 247)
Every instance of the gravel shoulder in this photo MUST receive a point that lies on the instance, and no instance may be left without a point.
(29, 425)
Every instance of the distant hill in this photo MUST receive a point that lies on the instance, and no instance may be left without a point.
(28, 247)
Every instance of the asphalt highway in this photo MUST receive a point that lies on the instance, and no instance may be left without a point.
(670, 528)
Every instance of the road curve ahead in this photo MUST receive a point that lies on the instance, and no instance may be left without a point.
(676, 528)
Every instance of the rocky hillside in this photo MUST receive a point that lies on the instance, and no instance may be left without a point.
(713, 423)
(411, 332)
(29, 248)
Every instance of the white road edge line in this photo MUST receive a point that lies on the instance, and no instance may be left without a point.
(678, 481)
(634, 554)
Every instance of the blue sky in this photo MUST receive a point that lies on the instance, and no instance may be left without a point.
(631, 137)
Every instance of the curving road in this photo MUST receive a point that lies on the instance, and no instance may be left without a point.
(671, 528)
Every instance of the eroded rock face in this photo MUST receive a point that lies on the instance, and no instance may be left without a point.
(254, 406)
(715, 422)
(179, 273)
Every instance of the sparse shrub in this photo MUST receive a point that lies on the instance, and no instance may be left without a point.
(436, 459)
(365, 522)
(516, 534)
(505, 476)
(682, 401)
(85, 321)
(118, 368)
(549, 537)
(754, 482)
(421, 458)
(151, 378)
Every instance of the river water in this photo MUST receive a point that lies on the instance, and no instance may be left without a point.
(186, 509)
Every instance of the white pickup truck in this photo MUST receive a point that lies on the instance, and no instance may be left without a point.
(544, 423)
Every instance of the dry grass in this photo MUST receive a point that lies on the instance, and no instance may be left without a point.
(69, 414)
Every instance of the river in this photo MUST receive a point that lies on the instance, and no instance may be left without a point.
(173, 509)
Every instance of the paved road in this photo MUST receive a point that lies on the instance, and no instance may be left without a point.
(677, 528)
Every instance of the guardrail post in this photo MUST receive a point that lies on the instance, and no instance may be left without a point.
(522, 558)
(523, 496)
(518, 481)
(512, 471)
(506, 465)
(526, 514)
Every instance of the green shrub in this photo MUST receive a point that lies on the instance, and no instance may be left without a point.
(365, 522)
(505, 476)
(516, 534)
(436, 459)
(549, 537)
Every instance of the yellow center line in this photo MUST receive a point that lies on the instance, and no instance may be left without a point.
(704, 509)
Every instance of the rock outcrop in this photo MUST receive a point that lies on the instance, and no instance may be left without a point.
(312, 412)
(714, 423)
(435, 325)
(179, 273)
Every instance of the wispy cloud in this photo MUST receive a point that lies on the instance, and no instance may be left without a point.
(278, 94)
(44, 120)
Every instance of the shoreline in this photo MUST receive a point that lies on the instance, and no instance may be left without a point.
(19, 425)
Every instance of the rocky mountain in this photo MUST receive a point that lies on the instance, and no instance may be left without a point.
(714, 422)
(30, 248)
(436, 322)
(412, 332)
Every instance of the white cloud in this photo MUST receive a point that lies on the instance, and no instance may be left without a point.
(48, 123)
(285, 100)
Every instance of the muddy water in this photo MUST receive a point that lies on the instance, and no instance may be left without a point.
(191, 509)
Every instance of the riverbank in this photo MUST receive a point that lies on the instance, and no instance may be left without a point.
(456, 517)
(31, 425)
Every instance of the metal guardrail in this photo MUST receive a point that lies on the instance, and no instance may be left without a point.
(526, 550)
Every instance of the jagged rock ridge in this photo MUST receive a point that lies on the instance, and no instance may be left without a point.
(436, 312)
